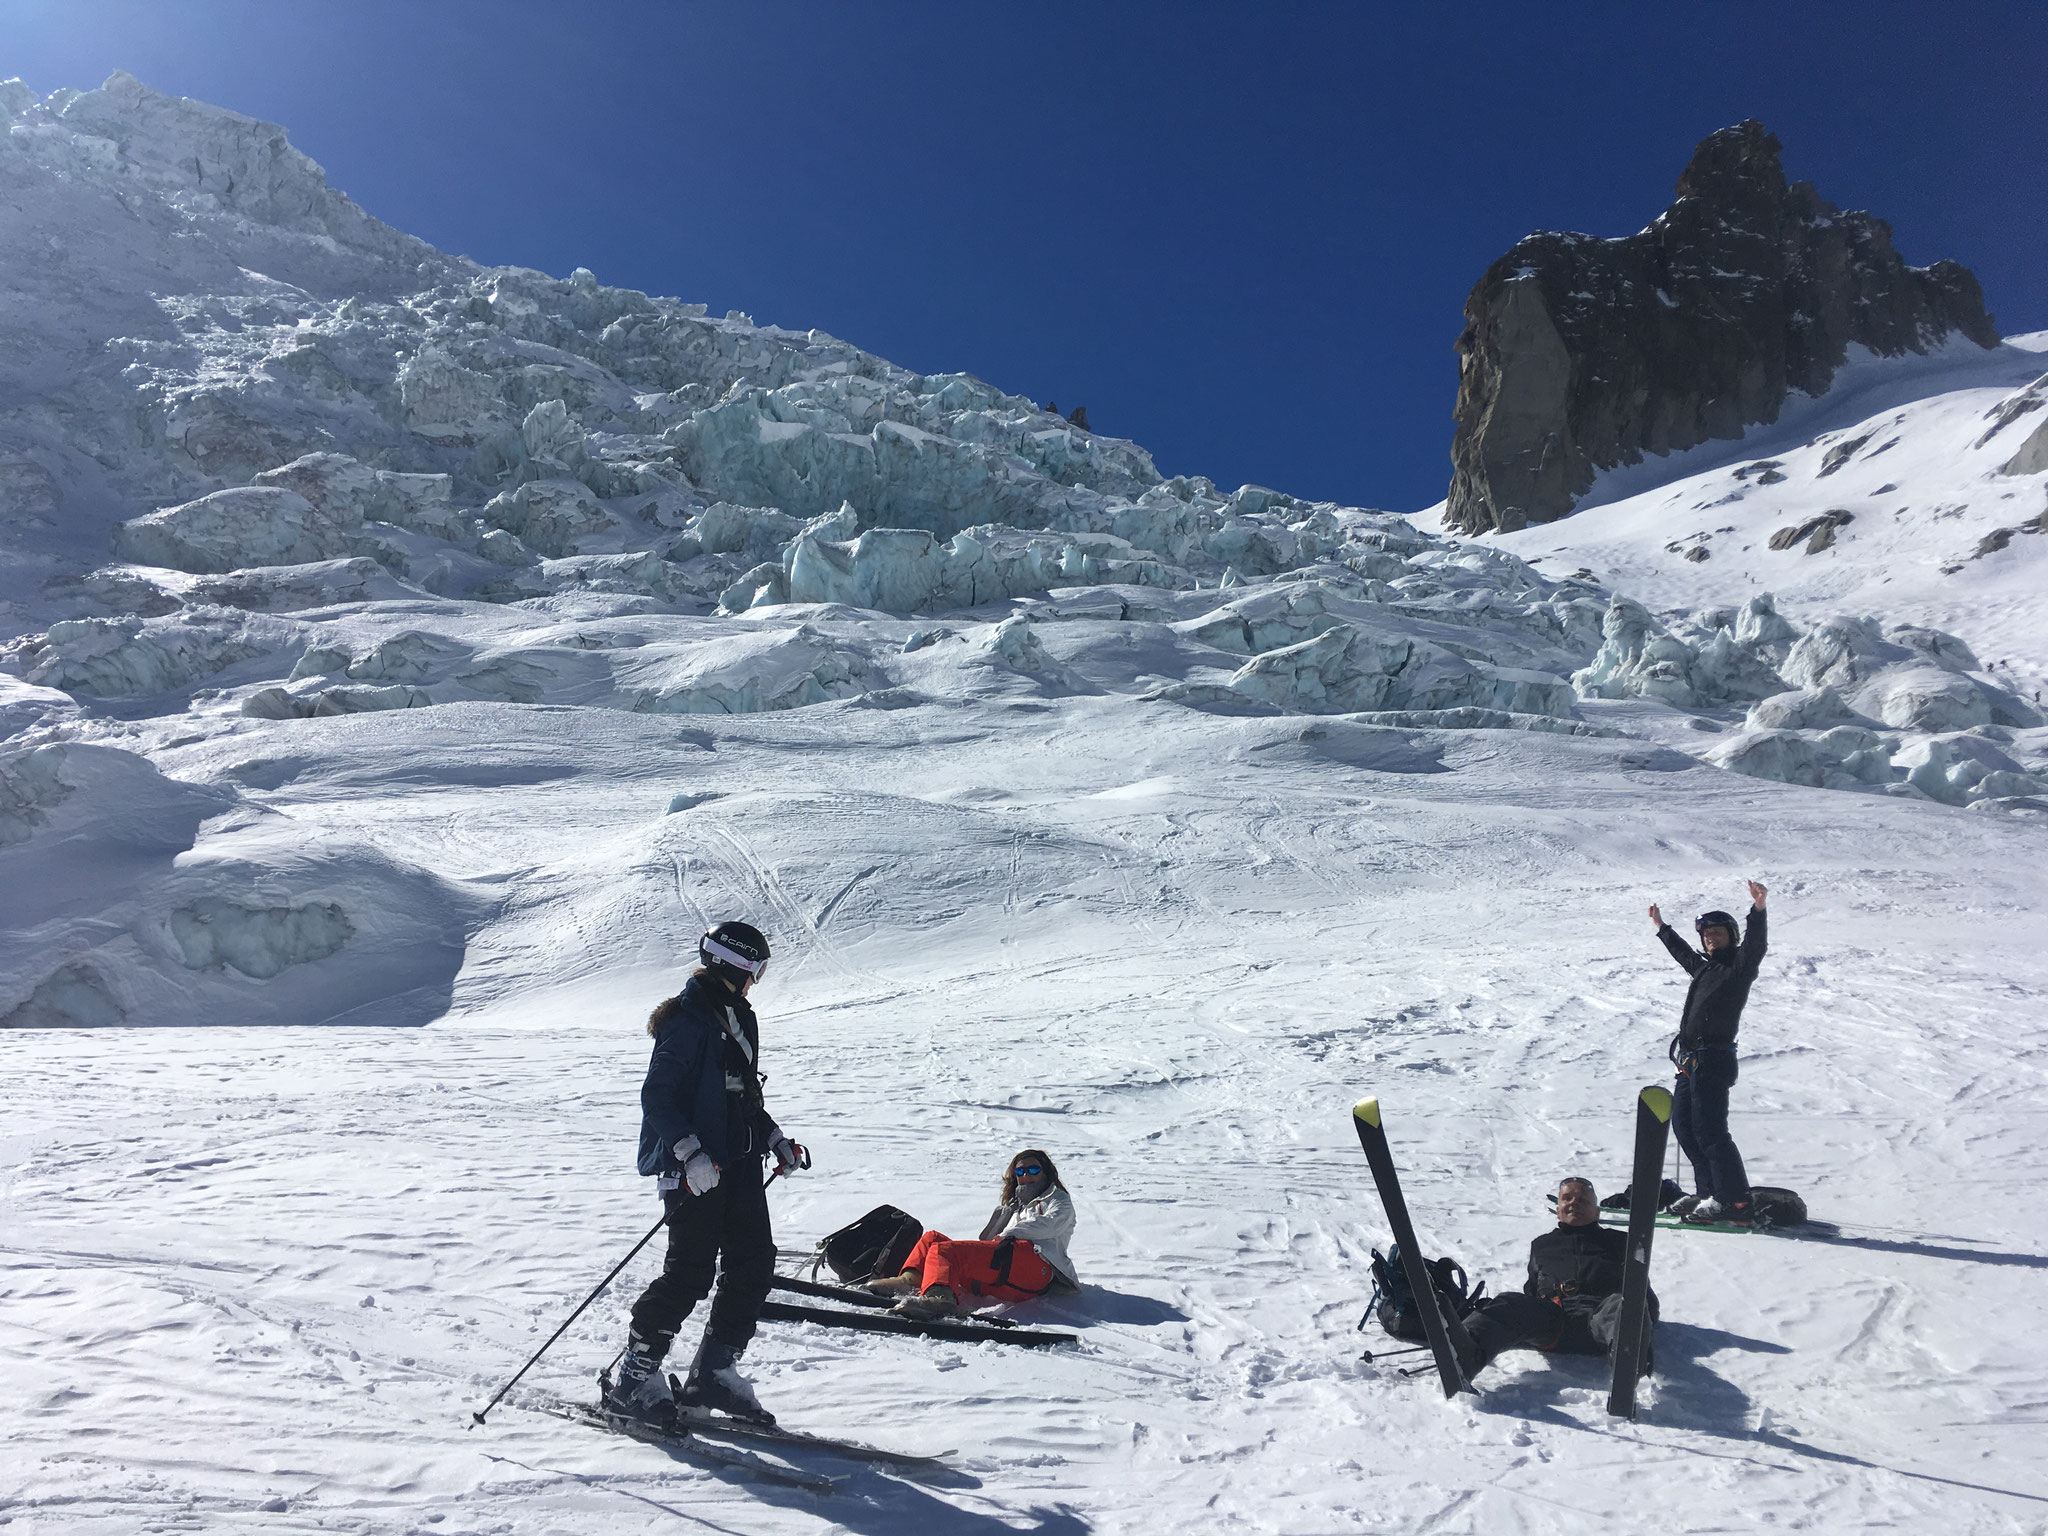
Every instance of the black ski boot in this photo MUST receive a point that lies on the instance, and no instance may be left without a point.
(639, 1391)
(715, 1383)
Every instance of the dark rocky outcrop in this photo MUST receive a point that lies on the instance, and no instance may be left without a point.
(1580, 353)
(1819, 532)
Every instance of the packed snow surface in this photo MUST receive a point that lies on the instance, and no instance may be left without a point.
(392, 641)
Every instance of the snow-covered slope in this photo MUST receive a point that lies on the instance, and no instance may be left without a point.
(394, 641)
(1911, 463)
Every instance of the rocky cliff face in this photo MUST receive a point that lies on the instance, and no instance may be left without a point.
(1579, 354)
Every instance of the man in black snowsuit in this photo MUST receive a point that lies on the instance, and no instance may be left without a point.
(1704, 1053)
(1571, 1302)
(703, 1133)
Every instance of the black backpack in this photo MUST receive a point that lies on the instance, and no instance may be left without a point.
(875, 1246)
(1667, 1191)
(1776, 1208)
(1394, 1302)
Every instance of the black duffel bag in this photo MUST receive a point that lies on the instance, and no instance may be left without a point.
(873, 1247)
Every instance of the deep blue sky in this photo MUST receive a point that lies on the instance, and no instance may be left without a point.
(1241, 234)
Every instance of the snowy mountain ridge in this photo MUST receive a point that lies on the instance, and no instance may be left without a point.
(409, 483)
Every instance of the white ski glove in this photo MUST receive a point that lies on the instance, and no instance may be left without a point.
(700, 1174)
(788, 1155)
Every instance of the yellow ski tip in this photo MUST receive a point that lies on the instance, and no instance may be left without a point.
(1658, 1102)
(1368, 1110)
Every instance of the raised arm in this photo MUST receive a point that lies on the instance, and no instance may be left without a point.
(1755, 930)
(1682, 952)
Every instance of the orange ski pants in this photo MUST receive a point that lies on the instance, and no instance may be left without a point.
(977, 1269)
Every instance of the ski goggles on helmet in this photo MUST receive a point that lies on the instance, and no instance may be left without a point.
(726, 955)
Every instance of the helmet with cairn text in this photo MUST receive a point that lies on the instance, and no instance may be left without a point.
(737, 951)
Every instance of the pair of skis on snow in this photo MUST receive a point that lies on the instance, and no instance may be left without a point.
(1448, 1341)
(697, 1432)
(985, 1330)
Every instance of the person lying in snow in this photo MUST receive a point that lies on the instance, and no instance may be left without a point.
(1021, 1253)
(1571, 1302)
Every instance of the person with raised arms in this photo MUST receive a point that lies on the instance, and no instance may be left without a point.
(1722, 970)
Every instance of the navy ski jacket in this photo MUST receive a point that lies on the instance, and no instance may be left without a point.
(1720, 983)
(701, 1082)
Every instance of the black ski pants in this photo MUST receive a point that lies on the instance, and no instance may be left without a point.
(1517, 1320)
(1699, 1118)
(723, 1231)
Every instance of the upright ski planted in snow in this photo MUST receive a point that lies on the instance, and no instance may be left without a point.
(1653, 1124)
(1446, 1334)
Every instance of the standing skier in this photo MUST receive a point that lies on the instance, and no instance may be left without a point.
(1704, 1053)
(703, 1132)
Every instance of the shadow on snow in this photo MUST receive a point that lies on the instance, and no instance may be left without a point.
(1690, 1396)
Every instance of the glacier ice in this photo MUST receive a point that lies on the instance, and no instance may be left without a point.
(260, 942)
(1016, 643)
(29, 785)
(73, 996)
(1798, 709)
(548, 516)
(1345, 669)
(1640, 657)
(127, 656)
(176, 903)
(1786, 756)
(349, 493)
(1841, 651)
(1926, 699)
(307, 413)
(1962, 767)
(244, 525)
(291, 588)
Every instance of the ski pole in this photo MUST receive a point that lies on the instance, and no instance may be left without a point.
(478, 1416)
(1388, 1354)
(803, 1160)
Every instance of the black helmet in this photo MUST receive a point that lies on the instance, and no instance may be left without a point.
(1726, 920)
(737, 951)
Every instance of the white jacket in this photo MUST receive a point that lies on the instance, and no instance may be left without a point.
(1046, 1222)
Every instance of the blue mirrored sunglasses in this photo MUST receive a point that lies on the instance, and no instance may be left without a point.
(1027, 1170)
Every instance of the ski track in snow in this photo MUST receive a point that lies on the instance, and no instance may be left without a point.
(257, 1280)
